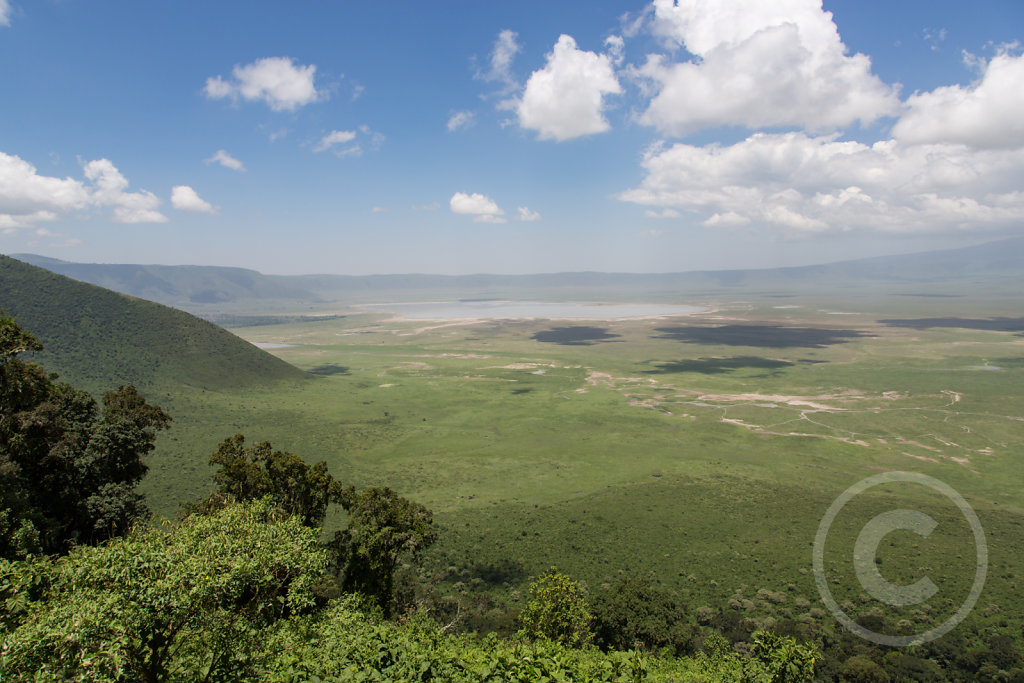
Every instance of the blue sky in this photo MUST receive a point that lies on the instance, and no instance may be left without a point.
(508, 137)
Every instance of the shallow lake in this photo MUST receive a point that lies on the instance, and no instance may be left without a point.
(447, 310)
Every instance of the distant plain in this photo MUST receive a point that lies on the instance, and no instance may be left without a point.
(704, 448)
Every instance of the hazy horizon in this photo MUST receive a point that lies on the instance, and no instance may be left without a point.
(510, 274)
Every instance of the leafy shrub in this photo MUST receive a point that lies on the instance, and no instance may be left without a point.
(638, 613)
(557, 611)
(193, 602)
(346, 642)
(860, 669)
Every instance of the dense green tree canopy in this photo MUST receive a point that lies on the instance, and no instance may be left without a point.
(383, 527)
(68, 469)
(257, 471)
(193, 603)
(636, 612)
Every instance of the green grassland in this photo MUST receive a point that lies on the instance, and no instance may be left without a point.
(704, 448)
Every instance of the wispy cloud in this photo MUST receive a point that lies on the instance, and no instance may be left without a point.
(335, 137)
(226, 160)
(527, 215)
(460, 119)
(503, 54)
(934, 37)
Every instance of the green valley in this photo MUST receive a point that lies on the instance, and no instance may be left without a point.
(700, 449)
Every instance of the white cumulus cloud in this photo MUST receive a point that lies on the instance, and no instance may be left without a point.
(565, 99)
(109, 188)
(758, 64)
(26, 197)
(527, 215)
(277, 81)
(5, 13)
(989, 113)
(184, 198)
(801, 184)
(226, 160)
(481, 207)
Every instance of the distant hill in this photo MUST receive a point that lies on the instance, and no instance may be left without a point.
(990, 261)
(99, 339)
(179, 286)
(200, 288)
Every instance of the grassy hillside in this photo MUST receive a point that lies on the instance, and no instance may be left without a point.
(99, 339)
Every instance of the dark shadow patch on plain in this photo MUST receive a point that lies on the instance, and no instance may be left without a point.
(763, 336)
(1007, 362)
(718, 366)
(329, 369)
(989, 324)
(811, 361)
(577, 335)
(499, 572)
(520, 392)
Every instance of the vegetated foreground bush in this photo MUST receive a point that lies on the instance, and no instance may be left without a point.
(231, 596)
(193, 602)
